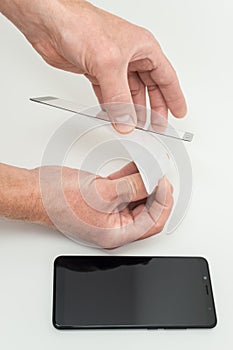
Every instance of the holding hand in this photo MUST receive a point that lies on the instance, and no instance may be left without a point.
(108, 211)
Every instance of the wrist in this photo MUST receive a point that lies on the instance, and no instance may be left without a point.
(30, 16)
(20, 197)
(27, 15)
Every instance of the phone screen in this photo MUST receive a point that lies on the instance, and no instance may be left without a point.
(132, 292)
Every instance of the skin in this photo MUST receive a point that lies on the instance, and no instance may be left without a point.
(120, 212)
(123, 62)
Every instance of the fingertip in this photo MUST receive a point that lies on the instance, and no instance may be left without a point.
(124, 124)
(181, 110)
(164, 191)
(166, 183)
(123, 128)
(128, 169)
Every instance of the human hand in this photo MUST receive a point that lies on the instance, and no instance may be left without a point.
(108, 212)
(120, 59)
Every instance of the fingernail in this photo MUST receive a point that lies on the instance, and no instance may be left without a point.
(124, 124)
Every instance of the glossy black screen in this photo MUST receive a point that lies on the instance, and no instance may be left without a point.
(114, 291)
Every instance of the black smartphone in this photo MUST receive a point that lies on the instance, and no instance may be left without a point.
(93, 292)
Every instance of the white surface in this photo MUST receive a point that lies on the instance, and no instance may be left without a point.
(196, 36)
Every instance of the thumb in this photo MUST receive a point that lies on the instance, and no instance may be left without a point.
(117, 100)
(129, 188)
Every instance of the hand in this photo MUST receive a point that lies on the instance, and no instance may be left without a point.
(108, 212)
(121, 60)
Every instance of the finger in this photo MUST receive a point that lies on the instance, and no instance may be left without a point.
(157, 102)
(95, 86)
(102, 114)
(98, 93)
(165, 77)
(128, 189)
(132, 228)
(138, 93)
(163, 192)
(133, 205)
(159, 109)
(140, 223)
(128, 169)
(158, 122)
(117, 99)
(160, 208)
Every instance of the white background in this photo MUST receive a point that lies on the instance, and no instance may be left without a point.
(197, 37)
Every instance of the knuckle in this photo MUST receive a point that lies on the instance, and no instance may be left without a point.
(150, 38)
(148, 34)
(135, 90)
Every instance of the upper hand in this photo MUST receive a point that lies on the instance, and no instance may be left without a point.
(121, 60)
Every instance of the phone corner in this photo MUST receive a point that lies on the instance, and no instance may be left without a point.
(214, 323)
(204, 260)
(56, 325)
(57, 259)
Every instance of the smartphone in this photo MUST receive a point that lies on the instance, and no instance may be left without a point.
(92, 292)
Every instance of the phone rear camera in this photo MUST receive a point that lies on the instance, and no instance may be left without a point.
(205, 278)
